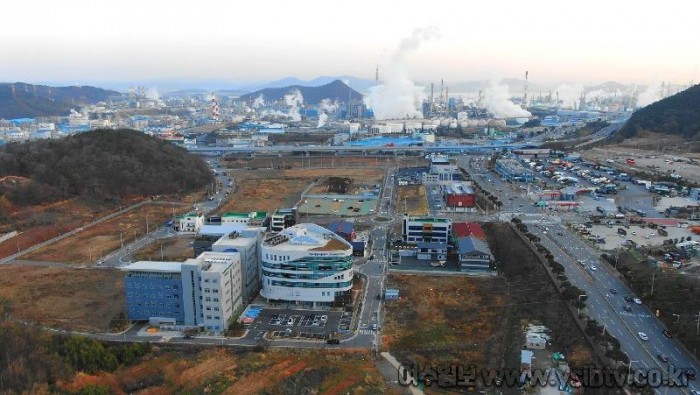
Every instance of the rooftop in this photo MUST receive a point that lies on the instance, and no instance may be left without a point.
(153, 266)
(219, 261)
(465, 229)
(307, 237)
(235, 215)
(429, 219)
(192, 214)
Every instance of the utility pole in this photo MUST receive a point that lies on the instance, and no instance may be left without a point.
(653, 276)
(161, 251)
(146, 224)
(121, 238)
(697, 327)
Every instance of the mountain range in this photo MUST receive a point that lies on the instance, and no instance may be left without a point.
(335, 90)
(19, 100)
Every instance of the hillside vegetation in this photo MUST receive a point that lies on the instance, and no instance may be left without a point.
(25, 100)
(336, 90)
(676, 115)
(101, 165)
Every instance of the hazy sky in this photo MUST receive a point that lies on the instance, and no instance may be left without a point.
(245, 41)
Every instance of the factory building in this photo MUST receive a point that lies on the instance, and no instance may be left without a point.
(426, 229)
(254, 218)
(459, 196)
(201, 292)
(512, 170)
(441, 170)
(306, 265)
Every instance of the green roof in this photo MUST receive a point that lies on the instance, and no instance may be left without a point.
(192, 214)
(259, 214)
(236, 215)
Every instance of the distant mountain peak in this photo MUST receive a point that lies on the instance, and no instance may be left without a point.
(313, 95)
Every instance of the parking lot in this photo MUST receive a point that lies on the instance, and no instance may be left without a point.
(308, 324)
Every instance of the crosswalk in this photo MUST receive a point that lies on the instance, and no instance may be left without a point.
(366, 332)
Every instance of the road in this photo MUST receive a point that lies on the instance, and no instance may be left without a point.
(602, 305)
(121, 256)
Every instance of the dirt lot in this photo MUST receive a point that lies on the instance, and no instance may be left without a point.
(321, 161)
(63, 298)
(268, 190)
(414, 197)
(445, 319)
(220, 371)
(644, 160)
(173, 249)
(94, 242)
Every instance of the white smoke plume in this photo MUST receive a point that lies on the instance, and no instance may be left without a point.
(322, 118)
(328, 106)
(294, 99)
(569, 94)
(497, 101)
(259, 101)
(153, 94)
(398, 96)
(651, 94)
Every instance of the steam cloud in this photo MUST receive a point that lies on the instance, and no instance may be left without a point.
(569, 94)
(259, 101)
(153, 94)
(398, 96)
(328, 106)
(651, 94)
(294, 99)
(497, 101)
(322, 118)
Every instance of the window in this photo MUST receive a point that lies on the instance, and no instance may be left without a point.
(208, 317)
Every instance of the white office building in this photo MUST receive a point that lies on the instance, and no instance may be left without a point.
(306, 265)
(189, 223)
(247, 243)
(212, 286)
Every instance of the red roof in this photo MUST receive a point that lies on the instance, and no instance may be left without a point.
(466, 229)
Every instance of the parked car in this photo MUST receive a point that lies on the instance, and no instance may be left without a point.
(613, 291)
(663, 357)
(628, 308)
(643, 336)
(333, 341)
(637, 301)
(667, 333)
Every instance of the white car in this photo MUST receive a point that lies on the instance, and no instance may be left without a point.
(643, 336)
(593, 268)
(637, 301)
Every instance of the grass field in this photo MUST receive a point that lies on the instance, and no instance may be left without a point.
(74, 299)
(445, 320)
(89, 245)
(414, 198)
(220, 371)
(173, 249)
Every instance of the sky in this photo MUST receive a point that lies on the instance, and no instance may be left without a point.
(83, 42)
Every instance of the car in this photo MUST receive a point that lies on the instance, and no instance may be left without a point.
(275, 316)
(324, 318)
(593, 268)
(634, 233)
(187, 336)
(613, 291)
(290, 322)
(667, 333)
(662, 357)
(690, 374)
(628, 309)
(642, 335)
(628, 298)
(695, 392)
(637, 301)
(333, 341)
(374, 327)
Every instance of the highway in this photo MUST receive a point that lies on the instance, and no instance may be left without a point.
(602, 305)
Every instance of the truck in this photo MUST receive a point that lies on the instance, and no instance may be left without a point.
(621, 231)
(437, 264)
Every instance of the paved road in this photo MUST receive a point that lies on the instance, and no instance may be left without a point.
(602, 305)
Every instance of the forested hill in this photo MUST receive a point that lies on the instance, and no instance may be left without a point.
(20, 100)
(336, 90)
(100, 164)
(677, 115)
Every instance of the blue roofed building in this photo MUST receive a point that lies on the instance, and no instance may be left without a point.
(512, 170)
(474, 254)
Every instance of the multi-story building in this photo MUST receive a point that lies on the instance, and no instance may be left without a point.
(247, 243)
(306, 265)
(281, 219)
(441, 167)
(212, 285)
(154, 292)
(426, 229)
(190, 222)
(205, 291)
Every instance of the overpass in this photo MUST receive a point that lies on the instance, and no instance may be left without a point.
(363, 150)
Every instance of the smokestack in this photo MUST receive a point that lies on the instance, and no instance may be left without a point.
(376, 74)
(447, 99)
(442, 91)
(432, 98)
